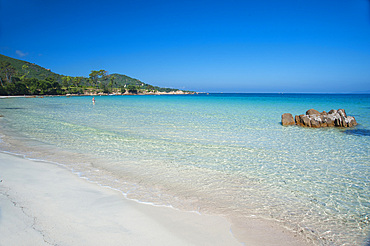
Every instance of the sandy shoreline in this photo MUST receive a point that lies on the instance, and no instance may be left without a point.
(45, 204)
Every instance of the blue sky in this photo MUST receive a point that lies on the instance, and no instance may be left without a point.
(211, 46)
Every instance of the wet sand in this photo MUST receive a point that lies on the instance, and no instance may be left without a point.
(45, 204)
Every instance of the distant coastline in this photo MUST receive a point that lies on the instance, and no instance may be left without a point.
(19, 78)
(178, 92)
(106, 94)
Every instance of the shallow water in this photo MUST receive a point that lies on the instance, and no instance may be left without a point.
(217, 153)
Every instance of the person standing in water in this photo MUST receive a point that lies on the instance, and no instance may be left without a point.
(93, 100)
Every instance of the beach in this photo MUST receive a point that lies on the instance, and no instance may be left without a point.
(45, 204)
(216, 169)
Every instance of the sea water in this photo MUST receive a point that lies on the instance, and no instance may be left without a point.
(216, 153)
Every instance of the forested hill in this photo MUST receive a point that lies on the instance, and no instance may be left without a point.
(35, 71)
(25, 73)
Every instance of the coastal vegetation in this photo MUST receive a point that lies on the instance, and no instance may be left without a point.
(19, 77)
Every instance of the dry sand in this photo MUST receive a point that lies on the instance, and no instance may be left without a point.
(45, 204)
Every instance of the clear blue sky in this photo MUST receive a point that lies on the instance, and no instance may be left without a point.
(212, 46)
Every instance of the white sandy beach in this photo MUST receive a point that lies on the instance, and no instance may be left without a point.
(46, 204)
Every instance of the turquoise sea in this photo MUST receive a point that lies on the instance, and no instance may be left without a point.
(218, 153)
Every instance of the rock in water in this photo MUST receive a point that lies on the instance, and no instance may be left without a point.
(316, 121)
(312, 112)
(314, 118)
(305, 120)
(287, 119)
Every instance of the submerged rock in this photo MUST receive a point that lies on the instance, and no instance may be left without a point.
(314, 118)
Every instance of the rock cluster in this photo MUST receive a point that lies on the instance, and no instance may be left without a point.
(314, 118)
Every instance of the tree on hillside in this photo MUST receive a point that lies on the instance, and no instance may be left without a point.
(132, 89)
(32, 85)
(112, 82)
(150, 88)
(26, 71)
(7, 71)
(77, 81)
(16, 88)
(55, 86)
(66, 81)
(95, 76)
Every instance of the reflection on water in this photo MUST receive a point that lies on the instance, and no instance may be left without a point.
(11, 108)
(358, 132)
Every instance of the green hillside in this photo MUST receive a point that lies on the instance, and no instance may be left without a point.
(16, 73)
(34, 71)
